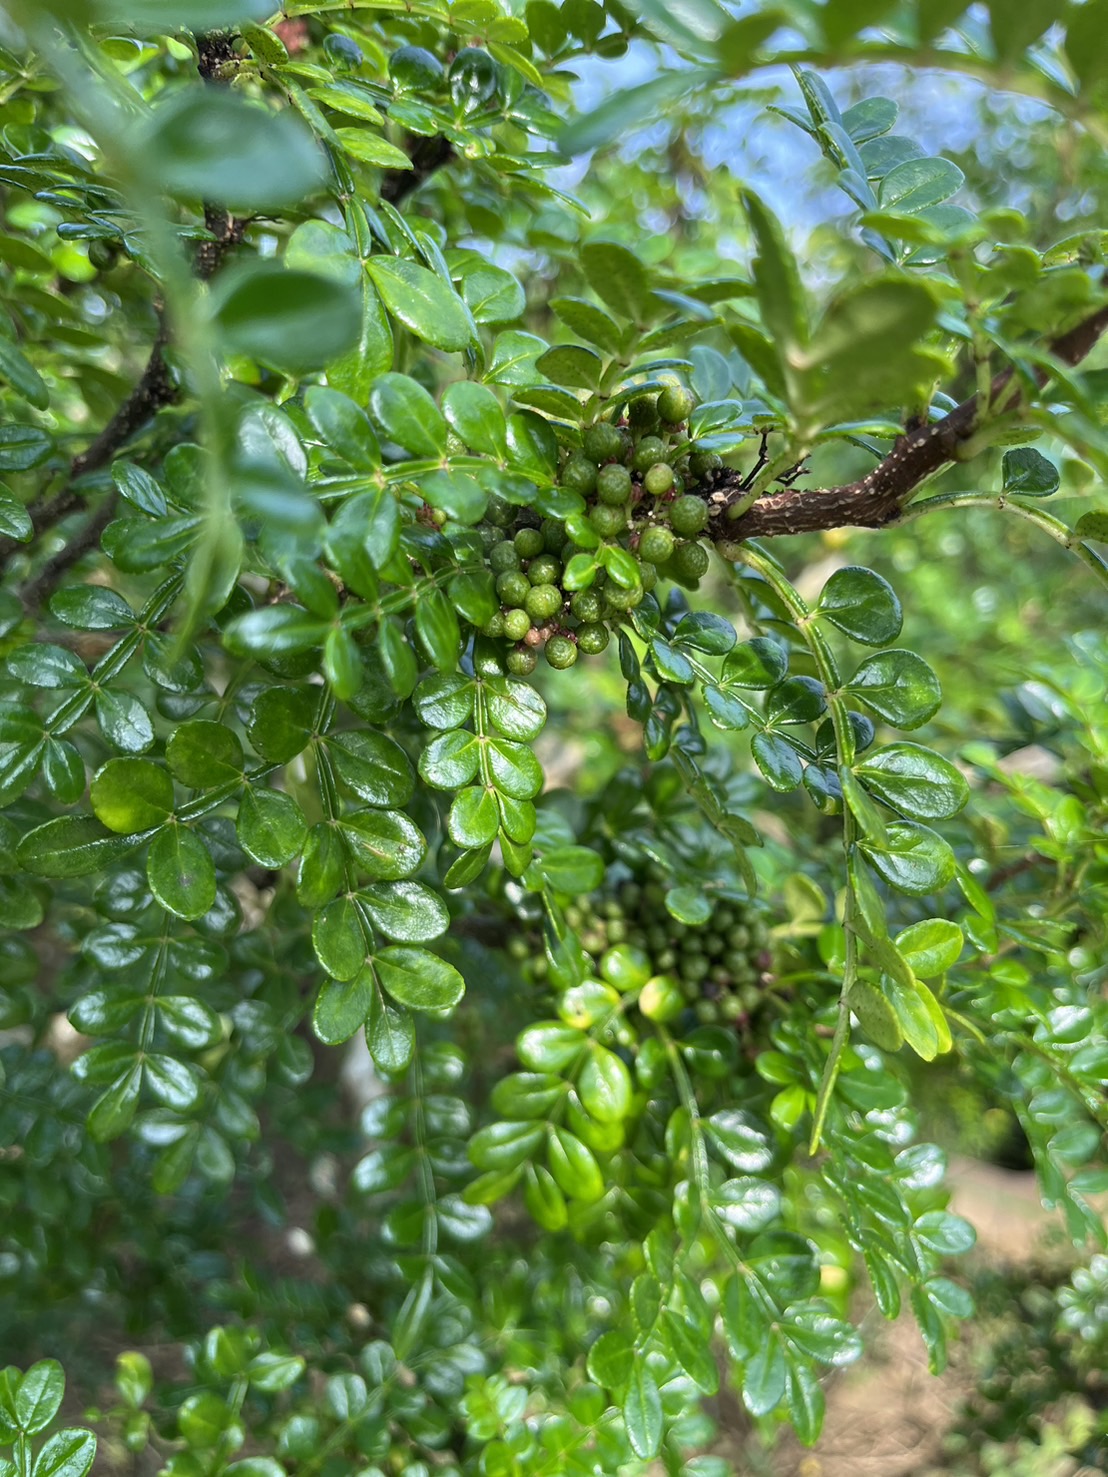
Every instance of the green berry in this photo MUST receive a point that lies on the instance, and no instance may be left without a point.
(602, 442)
(496, 627)
(650, 449)
(500, 512)
(648, 574)
(608, 521)
(516, 624)
(642, 413)
(579, 475)
(688, 515)
(513, 587)
(529, 542)
(521, 661)
(675, 404)
(656, 545)
(543, 601)
(703, 462)
(626, 968)
(617, 598)
(561, 652)
(658, 479)
(586, 606)
(592, 638)
(504, 556)
(613, 484)
(553, 532)
(545, 570)
(690, 561)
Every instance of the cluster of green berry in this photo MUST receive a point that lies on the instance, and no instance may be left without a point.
(715, 969)
(632, 477)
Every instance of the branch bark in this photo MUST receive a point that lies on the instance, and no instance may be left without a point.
(877, 498)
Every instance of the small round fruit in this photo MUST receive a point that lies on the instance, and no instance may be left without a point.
(642, 413)
(521, 661)
(650, 449)
(553, 534)
(592, 638)
(343, 54)
(626, 968)
(675, 404)
(561, 652)
(608, 521)
(586, 606)
(602, 442)
(529, 542)
(513, 587)
(613, 484)
(516, 624)
(688, 515)
(543, 601)
(620, 599)
(545, 570)
(579, 475)
(503, 556)
(496, 626)
(661, 999)
(648, 574)
(703, 462)
(658, 479)
(690, 561)
(500, 512)
(656, 545)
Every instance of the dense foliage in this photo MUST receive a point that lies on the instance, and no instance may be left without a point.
(336, 430)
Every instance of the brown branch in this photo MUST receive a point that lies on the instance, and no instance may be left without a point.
(877, 498)
(427, 155)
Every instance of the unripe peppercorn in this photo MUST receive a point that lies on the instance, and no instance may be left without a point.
(579, 475)
(650, 449)
(648, 575)
(586, 605)
(620, 599)
(602, 442)
(503, 556)
(675, 404)
(543, 601)
(592, 638)
(688, 515)
(642, 413)
(608, 521)
(516, 624)
(613, 484)
(553, 534)
(658, 479)
(513, 587)
(703, 462)
(656, 545)
(496, 626)
(561, 652)
(529, 542)
(500, 512)
(521, 661)
(690, 561)
(545, 570)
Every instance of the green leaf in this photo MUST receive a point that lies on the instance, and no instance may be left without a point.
(418, 979)
(624, 111)
(515, 709)
(746, 1204)
(764, 1378)
(15, 521)
(915, 860)
(758, 663)
(474, 817)
(916, 781)
(642, 1412)
(406, 415)
(338, 938)
(1085, 42)
(343, 427)
(863, 605)
(573, 1166)
(69, 846)
(373, 766)
(921, 1019)
(270, 826)
(1028, 473)
(473, 412)
(876, 1015)
(438, 630)
(571, 870)
(39, 1396)
(944, 1234)
(1092, 525)
(898, 686)
(805, 1400)
(780, 293)
(692, 1352)
(407, 912)
(23, 447)
(612, 1359)
(343, 1006)
(919, 183)
(371, 148)
(505, 1145)
(91, 608)
(619, 279)
(202, 754)
(289, 320)
(743, 1141)
(385, 845)
(130, 795)
(211, 144)
(68, 1453)
(457, 494)
(589, 322)
(571, 364)
(492, 295)
(423, 302)
(281, 721)
(181, 873)
(604, 1086)
(23, 377)
(114, 1110)
(124, 721)
(778, 761)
